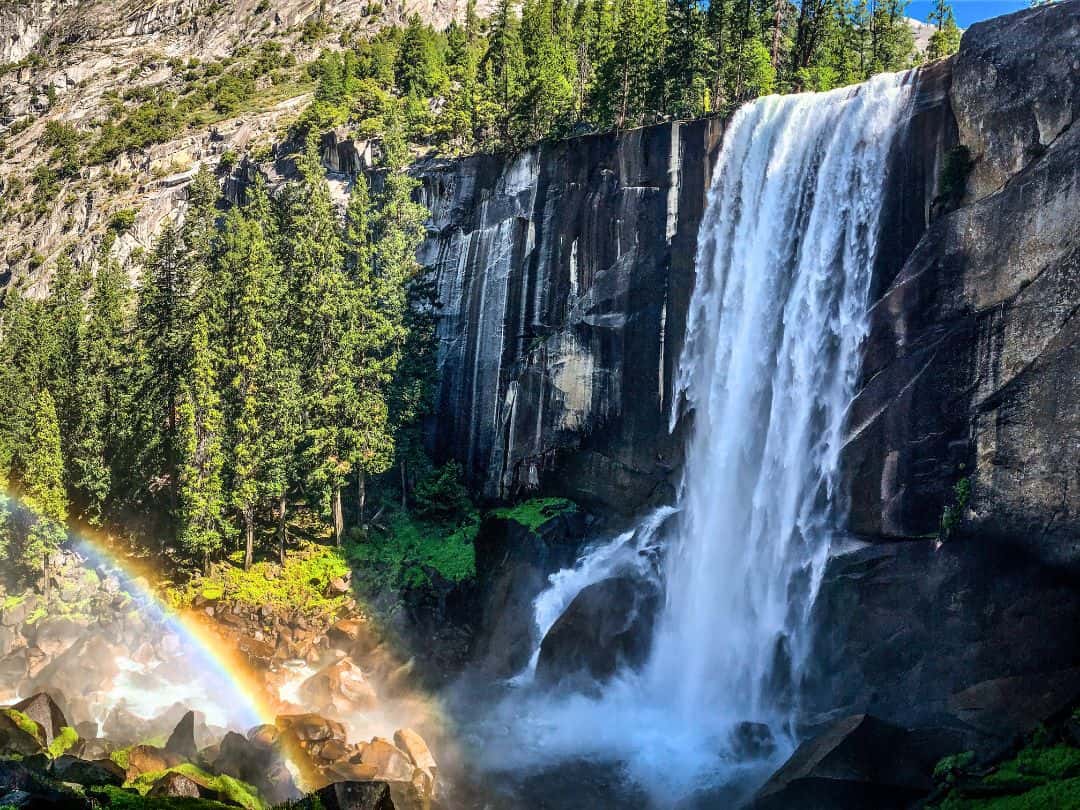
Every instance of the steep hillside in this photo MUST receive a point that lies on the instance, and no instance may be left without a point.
(108, 109)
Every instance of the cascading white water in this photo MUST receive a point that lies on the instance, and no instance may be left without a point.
(778, 314)
(769, 368)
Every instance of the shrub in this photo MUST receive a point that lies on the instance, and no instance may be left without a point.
(122, 221)
(952, 180)
(954, 512)
(536, 512)
(441, 495)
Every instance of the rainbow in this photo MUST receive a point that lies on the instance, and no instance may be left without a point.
(224, 673)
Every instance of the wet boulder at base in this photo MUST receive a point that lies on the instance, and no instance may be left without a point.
(356, 796)
(88, 773)
(607, 625)
(858, 762)
(182, 740)
(513, 562)
(176, 785)
(19, 735)
(44, 711)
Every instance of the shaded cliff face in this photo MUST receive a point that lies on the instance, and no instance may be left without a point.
(971, 368)
(971, 371)
(564, 275)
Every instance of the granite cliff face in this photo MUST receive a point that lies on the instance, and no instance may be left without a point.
(971, 367)
(564, 275)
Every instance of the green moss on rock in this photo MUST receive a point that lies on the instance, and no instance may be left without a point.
(62, 742)
(231, 789)
(534, 513)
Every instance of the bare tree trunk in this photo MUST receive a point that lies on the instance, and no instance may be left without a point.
(282, 532)
(361, 492)
(404, 487)
(339, 518)
(249, 539)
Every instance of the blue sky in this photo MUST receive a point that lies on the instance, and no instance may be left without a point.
(968, 11)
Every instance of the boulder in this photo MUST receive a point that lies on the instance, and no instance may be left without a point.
(44, 711)
(392, 764)
(1006, 707)
(752, 741)
(339, 687)
(176, 785)
(88, 773)
(56, 635)
(264, 736)
(16, 614)
(10, 640)
(19, 736)
(413, 744)
(149, 759)
(607, 625)
(346, 632)
(350, 772)
(182, 740)
(310, 727)
(513, 563)
(97, 748)
(22, 786)
(856, 763)
(257, 760)
(356, 796)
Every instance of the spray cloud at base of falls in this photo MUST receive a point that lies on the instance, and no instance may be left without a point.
(770, 364)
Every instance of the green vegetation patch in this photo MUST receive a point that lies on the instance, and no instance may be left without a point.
(410, 547)
(231, 789)
(120, 757)
(1038, 777)
(536, 512)
(303, 583)
(25, 724)
(63, 741)
(121, 799)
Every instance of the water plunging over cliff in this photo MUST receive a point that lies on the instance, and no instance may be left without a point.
(778, 314)
(769, 367)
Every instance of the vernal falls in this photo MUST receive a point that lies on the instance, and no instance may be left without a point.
(783, 267)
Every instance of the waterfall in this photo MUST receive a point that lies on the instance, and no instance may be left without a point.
(769, 367)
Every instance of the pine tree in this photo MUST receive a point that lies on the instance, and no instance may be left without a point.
(42, 482)
(504, 64)
(247, 261)
(369, 348)
(282, 403)
(103, 434)
(945, 40)
(163, 343)
(65, 319)
(547, 102)
(398, 229)
(420, 70)
(685, 59)
(892, 41)
(631, 82)
(201, 499)
(5, 499)
(319, 296)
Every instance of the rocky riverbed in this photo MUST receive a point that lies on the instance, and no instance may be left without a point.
(108, 694)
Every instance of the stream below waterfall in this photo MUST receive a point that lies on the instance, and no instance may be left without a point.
(777, 318)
